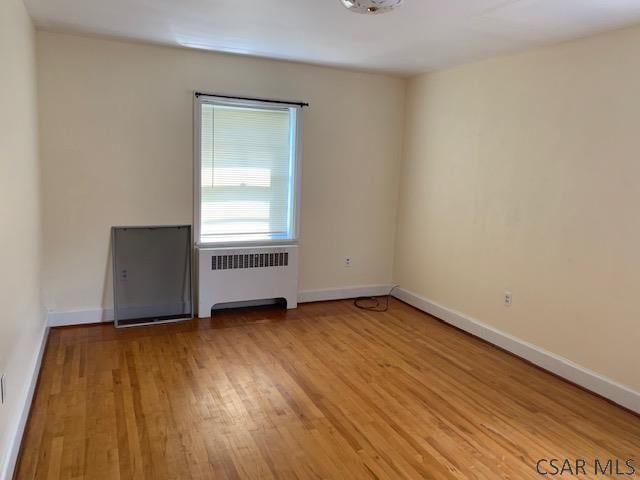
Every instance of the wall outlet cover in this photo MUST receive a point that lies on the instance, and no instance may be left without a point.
(508, 299)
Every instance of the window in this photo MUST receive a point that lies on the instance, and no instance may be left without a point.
(246, 171)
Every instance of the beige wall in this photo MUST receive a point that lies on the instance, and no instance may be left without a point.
(116, 123)
(21, 319)
(522, 174)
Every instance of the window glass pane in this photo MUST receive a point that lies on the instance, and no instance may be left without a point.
(246, 173)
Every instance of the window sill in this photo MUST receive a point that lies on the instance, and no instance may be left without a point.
(248, 244)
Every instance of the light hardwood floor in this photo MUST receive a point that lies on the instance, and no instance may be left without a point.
(323, 392)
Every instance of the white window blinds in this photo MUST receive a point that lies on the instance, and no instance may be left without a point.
(247, 172)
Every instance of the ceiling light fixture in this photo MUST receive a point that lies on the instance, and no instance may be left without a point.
(371, 7)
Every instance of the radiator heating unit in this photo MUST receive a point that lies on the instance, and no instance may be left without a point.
(232, 275)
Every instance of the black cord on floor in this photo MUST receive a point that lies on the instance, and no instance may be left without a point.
(374, 305)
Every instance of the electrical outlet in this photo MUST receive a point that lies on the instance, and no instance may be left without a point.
(508, 299)
(347, 261)
(3, 389)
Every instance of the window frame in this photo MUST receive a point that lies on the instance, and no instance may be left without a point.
(295, 191)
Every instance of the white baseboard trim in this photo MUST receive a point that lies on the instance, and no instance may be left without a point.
(593, 381)
(79, 317)
(99, 315)
(14, 446)
(341, 293)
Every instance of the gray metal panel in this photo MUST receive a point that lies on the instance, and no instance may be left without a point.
(151, 274)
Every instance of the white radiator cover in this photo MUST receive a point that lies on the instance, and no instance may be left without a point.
(238, 274)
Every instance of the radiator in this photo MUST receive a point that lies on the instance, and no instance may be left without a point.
(244, 274)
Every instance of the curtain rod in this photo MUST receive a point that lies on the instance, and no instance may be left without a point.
(282, 102)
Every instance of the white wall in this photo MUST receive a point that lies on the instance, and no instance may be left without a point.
(116, 137)
(522, 173)
(22, 319)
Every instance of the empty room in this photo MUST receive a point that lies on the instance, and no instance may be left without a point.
(319, 239)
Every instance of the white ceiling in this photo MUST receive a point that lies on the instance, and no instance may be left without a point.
(420, 36)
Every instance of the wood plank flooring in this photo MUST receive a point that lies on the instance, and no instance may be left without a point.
(323, 392)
